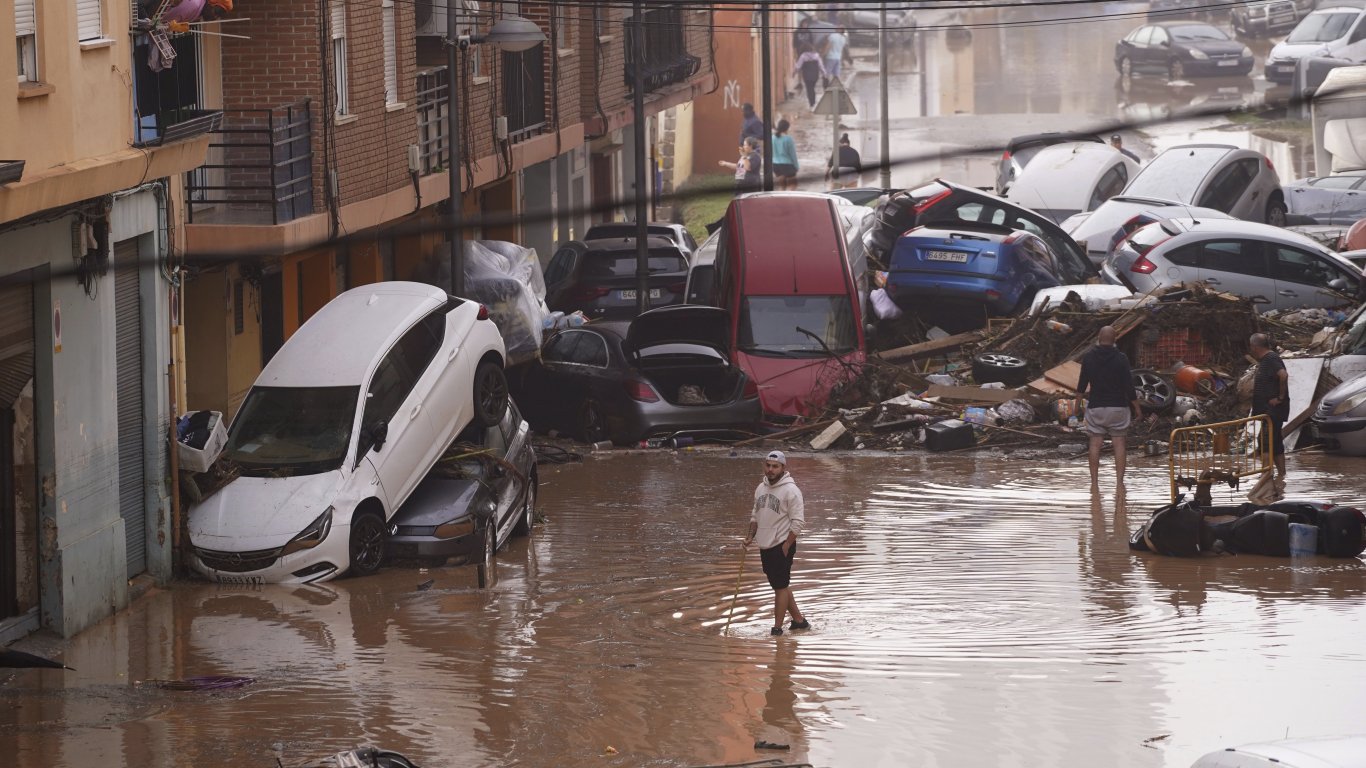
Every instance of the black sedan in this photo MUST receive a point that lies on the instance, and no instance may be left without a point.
(1179, 49)
(664, 373)
(598, 277)
(481, 493)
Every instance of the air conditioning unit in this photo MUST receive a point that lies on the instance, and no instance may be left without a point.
(431, 16)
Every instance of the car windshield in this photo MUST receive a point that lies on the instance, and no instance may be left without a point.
(774, 325)
(1194, 32)
(1322, 27)
(284, 431)
(1176, 174)
(623, 264)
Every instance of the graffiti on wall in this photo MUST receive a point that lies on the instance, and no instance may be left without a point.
(732, 95)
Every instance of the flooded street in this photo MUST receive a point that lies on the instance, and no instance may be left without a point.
(966, 611)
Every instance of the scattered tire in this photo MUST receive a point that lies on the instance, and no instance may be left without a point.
(1006, 369)
(1276, 213)
(592, 426)
(1155, 394)
(528, 517)
(490, 394)
(367, 544)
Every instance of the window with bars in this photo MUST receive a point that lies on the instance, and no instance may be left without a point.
(89, 20)
(390, 51)
(665, 49)
(341, 88)
(26, 40)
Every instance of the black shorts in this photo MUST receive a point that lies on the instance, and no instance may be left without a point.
(777, 566)
(1275, 434)
(784, 170)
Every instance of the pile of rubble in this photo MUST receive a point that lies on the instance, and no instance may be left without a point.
(1012, 385)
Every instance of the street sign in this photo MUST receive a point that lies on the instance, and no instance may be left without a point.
(835, 100)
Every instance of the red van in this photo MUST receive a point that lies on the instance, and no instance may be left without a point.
(796, 321)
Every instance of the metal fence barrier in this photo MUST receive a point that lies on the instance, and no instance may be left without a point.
(1224, 451)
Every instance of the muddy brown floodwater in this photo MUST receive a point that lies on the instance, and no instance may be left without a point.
(966, 611)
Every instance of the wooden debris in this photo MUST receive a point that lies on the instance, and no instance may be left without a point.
(787, 433)
(931, 348)
(828, 437)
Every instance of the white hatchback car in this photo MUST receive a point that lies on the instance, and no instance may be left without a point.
(339, 428)
(1066, 179)
(1239, 182)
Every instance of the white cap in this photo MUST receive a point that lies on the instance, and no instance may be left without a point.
(777, 456)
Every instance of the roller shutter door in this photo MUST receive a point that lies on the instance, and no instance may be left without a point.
(16, 340)
(128, 379)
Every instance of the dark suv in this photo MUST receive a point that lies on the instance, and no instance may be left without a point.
(598, 277)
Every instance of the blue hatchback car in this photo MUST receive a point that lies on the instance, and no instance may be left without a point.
(966, 262)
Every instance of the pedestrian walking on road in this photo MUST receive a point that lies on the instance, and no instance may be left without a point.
(835, 46)
(849, 173)
(1109, 386)
(811, 69)
(785, 165)
(1117, 142)
(748, 167)
(1271, 397)
(775, 522)
(751, 127)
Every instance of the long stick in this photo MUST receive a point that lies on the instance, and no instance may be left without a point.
(731, 612)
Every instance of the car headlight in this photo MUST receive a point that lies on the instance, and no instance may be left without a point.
(1247, 52)
(311, 536)
(454, 529)
(1199, 55)
(1351, 403)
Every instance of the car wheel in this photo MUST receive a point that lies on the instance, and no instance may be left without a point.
(592, 426)
(1176, 70)
(367, 544)
(993, 367)
(487, 564)
(1276, 212)
(1126, 67)
(490, 394)
(1155, 394)
(528, 517)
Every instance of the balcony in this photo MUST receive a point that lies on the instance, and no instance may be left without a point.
(524, 93)
(259, 170)
(431, 119)
(667, 60)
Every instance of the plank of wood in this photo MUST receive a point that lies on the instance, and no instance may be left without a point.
(786, 433)
(828, 437)
(930, 348)
(1303, 382)
(1048, 388)
(1067, 374)
(971, 395)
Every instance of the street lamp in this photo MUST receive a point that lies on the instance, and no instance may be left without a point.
(510, 33)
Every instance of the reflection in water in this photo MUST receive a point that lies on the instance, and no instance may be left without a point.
(945, 593)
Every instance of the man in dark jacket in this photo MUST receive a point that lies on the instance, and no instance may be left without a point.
(751, 126)
(1109, 388)
(1271, 397)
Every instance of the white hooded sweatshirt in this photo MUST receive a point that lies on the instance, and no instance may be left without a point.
(778, 510)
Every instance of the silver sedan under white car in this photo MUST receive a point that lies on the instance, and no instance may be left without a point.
(1100, 230)
(1244, 258)
(339, 428)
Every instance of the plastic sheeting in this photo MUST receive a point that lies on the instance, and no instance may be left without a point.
(507, 278)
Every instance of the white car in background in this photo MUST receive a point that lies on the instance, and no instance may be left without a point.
(1239, 182)
(1065, 179)
(1337, 30)
(1099, 231)
(339, 428)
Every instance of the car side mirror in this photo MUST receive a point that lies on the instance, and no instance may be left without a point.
(1338, 285)
(1165, 43)
(377, 434)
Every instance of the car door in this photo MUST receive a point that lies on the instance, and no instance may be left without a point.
(444, 385)
(1158, 50)
(391, 400)
(1236, 266)
(1302, 279)
(1329, 199)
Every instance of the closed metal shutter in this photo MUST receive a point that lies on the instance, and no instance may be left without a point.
(89, 25)
(128, 379)
(16, 341)
(24, 23)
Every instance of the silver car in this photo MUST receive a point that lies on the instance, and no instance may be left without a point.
(1239, 257)
(1099, 231)
(1340, 419)
(1239, 182)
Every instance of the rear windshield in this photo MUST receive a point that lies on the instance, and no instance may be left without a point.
(1144, 239)
(1176, 173)
(613, 231)
(1322, 27)
(623, 264)
(774, 325)
(1193, 32)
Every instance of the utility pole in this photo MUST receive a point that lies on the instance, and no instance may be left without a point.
(457, 254)
(638, 129)
(766, 46)
(884, 122)
(922, 64)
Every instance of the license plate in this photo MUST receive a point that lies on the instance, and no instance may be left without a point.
(1286, 68)
(954, 256)
(631, 295)
(1227, 63)
(257, 580)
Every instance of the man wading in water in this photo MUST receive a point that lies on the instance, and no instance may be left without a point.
(774, 524)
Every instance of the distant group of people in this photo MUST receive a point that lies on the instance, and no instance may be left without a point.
(818, 63)
(749, 165)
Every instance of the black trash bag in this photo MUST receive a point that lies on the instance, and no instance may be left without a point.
(1264, 532)
(1173, 530)
(1341, 532)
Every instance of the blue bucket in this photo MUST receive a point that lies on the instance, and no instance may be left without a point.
(1304, 540)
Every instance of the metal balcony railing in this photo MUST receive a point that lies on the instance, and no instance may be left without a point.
(260, 168)
(667, 60)
(431, 119)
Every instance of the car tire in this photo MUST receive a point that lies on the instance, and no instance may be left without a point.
(592, 426)
(1176, 70)
(366, 545)
(1126, 67)
(1155, 394)
(1276, 213)
(528, 518)
(487, 563)
(490, 394)
(994, 367)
